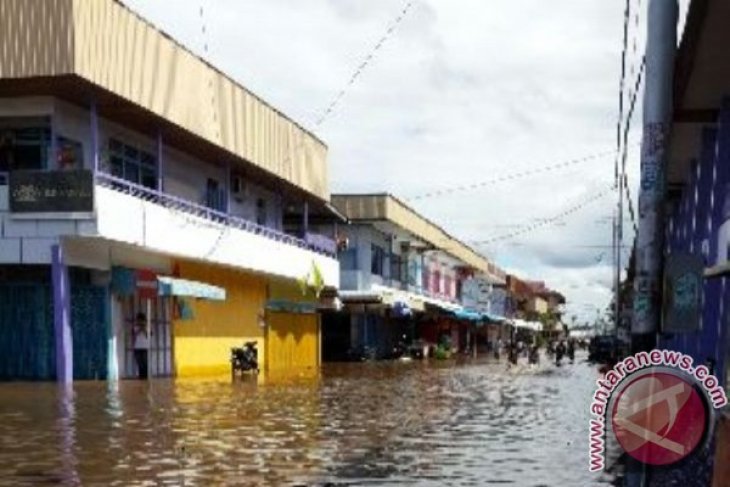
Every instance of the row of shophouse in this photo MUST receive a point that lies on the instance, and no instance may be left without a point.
(138, 180)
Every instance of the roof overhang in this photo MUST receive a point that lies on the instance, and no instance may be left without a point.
(701, 82)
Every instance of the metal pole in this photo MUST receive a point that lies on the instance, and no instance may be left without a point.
(148, 325)
(62, 316)
(616, 268)
(660, 51)
(661, 46)
(160, 163)
(94, 137)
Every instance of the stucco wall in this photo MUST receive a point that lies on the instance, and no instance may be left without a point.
(203, 345)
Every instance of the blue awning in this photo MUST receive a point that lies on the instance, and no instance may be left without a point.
(173, 286)
(464, 314)
(494, 318)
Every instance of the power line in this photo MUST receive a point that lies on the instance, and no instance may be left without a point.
(547, 221)
(364, 64)
(627, 127)
(513, 176)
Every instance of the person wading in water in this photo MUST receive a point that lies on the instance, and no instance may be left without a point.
(141, 345)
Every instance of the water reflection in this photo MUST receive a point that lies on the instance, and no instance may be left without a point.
(410, 424)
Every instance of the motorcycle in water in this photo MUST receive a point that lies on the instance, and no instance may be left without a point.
(245, 359)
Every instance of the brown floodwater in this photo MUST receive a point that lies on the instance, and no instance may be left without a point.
(352, 424)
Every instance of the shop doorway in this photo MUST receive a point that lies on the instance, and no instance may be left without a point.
(160, 358)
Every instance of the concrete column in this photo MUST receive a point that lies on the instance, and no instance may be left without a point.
(52, 162)
(62, 316)
(305, 219)
(227, 190)
(660, 52)
(95, 160)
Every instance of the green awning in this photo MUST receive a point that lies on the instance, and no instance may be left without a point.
(286, 306)
(173, 286)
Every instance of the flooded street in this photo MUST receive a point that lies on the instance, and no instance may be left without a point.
(355, 424)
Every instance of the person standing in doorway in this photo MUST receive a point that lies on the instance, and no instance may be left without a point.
(141, 345)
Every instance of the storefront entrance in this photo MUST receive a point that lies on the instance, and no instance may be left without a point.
(127, 309)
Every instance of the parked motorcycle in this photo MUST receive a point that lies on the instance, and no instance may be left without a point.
(245, 359)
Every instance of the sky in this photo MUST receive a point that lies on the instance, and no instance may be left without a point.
(461, 92)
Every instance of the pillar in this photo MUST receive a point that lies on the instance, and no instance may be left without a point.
(94, 137)
(62, 316)
(660, 52)
(305, 219)
(160, 166)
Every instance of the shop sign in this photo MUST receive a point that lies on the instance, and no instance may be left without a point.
(51, 191)
(146, 284)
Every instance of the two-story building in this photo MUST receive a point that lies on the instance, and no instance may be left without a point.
(402, 275)
(138, 182)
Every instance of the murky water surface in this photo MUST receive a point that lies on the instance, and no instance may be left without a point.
(355, 424)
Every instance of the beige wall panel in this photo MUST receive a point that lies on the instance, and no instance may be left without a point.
(117, 50)
(35, 38)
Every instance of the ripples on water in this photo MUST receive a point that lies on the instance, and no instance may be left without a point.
(355, 424)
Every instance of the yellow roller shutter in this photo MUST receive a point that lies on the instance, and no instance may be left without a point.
(292, 341)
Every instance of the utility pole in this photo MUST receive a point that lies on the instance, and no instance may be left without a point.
(660, 51)
(616, 265)
(661, 45)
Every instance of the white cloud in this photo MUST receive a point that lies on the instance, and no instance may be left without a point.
(464, 91)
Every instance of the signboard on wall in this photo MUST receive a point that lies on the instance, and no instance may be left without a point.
(146, 284)
(51, 191)
(683, 281)
(475, 294)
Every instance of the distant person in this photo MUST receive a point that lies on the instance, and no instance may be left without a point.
(512, 353)
(141, 344)
(498, 349)
(571, 351)
(559, 352)
(534, 356)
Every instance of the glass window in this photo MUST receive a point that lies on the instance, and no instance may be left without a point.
(131, 172)
(24, 143)
(116, 166)
(348, 259)
(377, 261)
(70, 154)
(132, 164)
(261, 211)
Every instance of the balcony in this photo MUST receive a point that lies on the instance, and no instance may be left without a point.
(125, 212)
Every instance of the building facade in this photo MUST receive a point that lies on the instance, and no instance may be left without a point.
(404, 278)
(138, 180)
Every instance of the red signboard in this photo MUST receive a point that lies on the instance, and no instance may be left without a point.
(146, 284)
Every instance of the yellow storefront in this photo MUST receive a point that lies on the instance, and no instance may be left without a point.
(203, 341)
(293, 329)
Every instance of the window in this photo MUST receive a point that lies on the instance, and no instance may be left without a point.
(412, 272)
(396, 267)
(377, 261)
(261, 217)
(70, 154)
(134, 165)
(436, 285)
(215, 197)
(447, 285)
(24, 144)
(348, 259)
